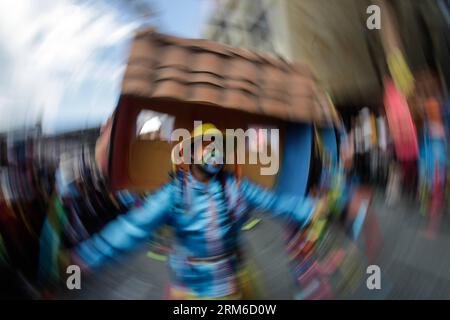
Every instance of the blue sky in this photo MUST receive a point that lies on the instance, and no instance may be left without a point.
(63, 61)
(183, 17)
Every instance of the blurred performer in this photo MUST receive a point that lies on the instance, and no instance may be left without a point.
(433, 163)
(206, 207)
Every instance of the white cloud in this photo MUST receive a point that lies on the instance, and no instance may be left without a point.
(54, 49)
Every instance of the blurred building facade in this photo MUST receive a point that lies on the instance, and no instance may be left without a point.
(256, 25)
(333, 38)
(43, 149)
(327, 35)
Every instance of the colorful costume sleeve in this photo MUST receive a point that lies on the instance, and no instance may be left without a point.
(299, 209)
(127, 231)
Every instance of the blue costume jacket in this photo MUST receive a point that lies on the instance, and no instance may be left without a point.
(206, 219)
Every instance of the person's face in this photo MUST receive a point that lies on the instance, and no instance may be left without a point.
(208, 157)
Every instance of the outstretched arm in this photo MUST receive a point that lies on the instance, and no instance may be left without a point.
(297, 208)
(127, 231)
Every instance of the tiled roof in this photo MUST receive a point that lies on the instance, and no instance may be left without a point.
(202, 71)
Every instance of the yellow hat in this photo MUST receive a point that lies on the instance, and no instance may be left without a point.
(202, 130)
(207, 129)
